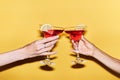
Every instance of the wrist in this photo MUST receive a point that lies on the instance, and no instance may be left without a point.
(21, 53)
(96, 53)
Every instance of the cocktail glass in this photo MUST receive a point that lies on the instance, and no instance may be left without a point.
(49, 31)
(75, 34)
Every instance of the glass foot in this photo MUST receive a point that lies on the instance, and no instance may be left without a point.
(47, 62)
(78, 61)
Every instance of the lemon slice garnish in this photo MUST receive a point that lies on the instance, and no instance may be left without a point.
(81, 26)
(46, 27)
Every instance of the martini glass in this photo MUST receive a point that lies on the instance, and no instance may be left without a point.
(49, 31)
(75, 34)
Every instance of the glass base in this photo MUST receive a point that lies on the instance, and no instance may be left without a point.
(78, 61)
(47, 62)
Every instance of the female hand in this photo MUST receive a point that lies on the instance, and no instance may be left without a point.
(40, 47)
(84, 47)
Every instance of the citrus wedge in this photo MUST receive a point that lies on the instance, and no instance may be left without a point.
(46, 27)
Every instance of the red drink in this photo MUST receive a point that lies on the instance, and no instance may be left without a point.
(50, 33)
(75, 34)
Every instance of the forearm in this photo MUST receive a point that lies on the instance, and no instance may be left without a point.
(12, 56)
(107, 60)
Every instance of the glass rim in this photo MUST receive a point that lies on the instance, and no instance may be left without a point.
(53, 26)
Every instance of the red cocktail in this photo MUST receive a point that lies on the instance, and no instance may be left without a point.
(75, 35)
(50, 33)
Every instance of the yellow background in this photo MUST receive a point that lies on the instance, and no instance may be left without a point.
(19, 25)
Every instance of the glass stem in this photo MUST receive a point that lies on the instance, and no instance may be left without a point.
(78, 56)
(48, 57)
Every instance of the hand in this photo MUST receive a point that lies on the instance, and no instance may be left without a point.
(84, 47)
(40, 47)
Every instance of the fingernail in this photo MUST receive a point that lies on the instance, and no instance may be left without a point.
(57, 36)
(72, 41)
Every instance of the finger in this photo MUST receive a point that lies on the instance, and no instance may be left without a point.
(84, 44)
(48, 39)
(85, 40)
(45, 49)
(75, 45)
(81, 43)
(47, 53)
(72, 41)
(50, 43)
(41, 46)
(75, 51)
